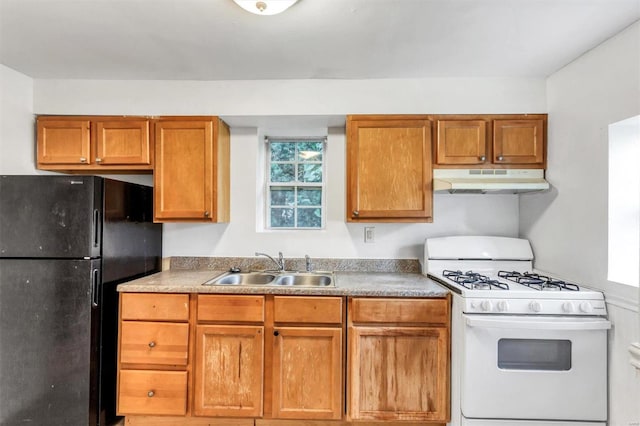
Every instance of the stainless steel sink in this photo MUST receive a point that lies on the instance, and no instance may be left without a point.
(239, 278)
(298, 279)
(305, 280)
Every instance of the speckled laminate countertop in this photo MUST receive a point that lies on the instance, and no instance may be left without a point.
(387, 284)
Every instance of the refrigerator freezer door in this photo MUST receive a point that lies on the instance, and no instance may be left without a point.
(132, 243)
(50, 216)
(47, 348)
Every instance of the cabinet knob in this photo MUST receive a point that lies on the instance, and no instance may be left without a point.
(83, 160)
(356, 212)
(482, 158)
(152, 344)
(276, 333)
(500, 158)
(98, 160)
(150, 393)
(206, 213)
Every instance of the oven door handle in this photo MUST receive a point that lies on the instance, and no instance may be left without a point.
(538, 325)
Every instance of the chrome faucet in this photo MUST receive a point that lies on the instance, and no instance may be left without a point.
(308, 264)
(279, 263)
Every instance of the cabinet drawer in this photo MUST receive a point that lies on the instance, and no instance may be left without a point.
(231, 308)
(154, 343)
(155, 307)
(152, 392)
(314, 310)
(421, 311)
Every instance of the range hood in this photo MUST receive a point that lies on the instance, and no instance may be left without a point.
(489, 181)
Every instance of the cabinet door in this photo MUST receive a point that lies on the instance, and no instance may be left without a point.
(389, 170)
(183, 175)
(518, 141)
(123, 142)
(461, 142)
(398, 373)
(307, 373)
(228, 371)
(64, 142)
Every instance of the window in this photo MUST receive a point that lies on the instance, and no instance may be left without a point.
(624, 201)
(295, 183)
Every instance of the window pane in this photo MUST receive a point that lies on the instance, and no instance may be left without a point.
(310, 218)
(282, 173)
(283, 151)
(282, 196)
(282, 218)
(310, 197)
(310, 151)
(310, 172)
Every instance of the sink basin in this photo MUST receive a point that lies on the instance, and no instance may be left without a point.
(304, 279)
(247, 278)
(301, 279)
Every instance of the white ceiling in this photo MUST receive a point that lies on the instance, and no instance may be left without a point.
(314, 39)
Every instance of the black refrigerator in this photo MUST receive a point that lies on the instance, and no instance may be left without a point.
(66, 242)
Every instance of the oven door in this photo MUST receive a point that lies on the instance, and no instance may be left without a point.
(547, 368)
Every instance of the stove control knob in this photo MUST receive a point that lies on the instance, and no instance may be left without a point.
(535, 306)
(486, 305)
(586, 307)
(568, 307)
(503, 306)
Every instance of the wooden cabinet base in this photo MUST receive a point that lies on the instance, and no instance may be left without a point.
(208, 421)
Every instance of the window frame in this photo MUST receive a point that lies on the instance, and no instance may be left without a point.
(296, 185)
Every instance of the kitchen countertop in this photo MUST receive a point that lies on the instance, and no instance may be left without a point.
(386, 284)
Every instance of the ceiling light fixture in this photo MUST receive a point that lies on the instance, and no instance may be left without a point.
(265, 7)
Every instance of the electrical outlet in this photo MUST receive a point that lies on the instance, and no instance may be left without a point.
(369, 234)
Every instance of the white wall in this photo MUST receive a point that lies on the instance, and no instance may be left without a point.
(17, 134)
(568, 226)
(460, 214)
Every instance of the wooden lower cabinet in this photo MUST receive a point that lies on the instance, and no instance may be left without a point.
(398, 359)
(307, 373)
(396, 373)
(228, 371)
(240, 360)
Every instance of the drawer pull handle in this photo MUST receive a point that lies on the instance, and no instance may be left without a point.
(356, 213)
(483, 158)
(83, 160)
(150, 394)
(500, 158)
(152, 344)
(206, 214)
(98, 160)
(276, 333)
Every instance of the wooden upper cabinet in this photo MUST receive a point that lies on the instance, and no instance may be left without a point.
(461, 142)
(191, 179)
(123, 142)
(389, 169)
(94, 144)
(490, 141)
(63, 142)
(519, 141)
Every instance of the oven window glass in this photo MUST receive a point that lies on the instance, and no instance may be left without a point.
(534, 354)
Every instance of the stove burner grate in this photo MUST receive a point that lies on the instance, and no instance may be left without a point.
(474, 281)
(537, 281)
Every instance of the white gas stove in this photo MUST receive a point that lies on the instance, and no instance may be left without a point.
(517, 332)
(494, 275)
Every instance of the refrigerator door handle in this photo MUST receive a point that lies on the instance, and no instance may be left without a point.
(95, 293)
(96, 228)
